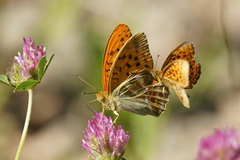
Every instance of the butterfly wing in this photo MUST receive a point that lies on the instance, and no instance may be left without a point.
(194, 74)
(179, 91)
(176, 76)
(181, 52)
(133, 58)
(139, 95)
(119, 36)
(178, 72)
(186, 53)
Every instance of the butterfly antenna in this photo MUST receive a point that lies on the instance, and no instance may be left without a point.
(156, 62)
(86, 83)
(89, 92)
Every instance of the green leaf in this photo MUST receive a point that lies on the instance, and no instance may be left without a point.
(4, 80)
(41, 66)
(26, 85)
(48, 63)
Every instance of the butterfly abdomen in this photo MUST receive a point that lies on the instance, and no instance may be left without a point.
(158, 98)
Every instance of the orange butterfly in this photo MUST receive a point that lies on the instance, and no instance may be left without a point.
(179, 72)
(126, 77)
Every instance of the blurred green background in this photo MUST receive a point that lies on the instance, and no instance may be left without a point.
(77, 32)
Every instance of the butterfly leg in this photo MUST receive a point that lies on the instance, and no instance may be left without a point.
(116, 117)
(102, 111)
(102, 115)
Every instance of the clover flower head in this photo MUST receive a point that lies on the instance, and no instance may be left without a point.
(223, 144)
(25, 66)
(103, 141)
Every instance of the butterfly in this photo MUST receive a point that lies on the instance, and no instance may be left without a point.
(126, 77)
(179, 72)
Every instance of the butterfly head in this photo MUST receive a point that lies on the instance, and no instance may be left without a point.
(101, 96)
(105, 100)
(157, 75)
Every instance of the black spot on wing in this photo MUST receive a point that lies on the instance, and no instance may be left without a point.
(147, 66)
(111, 53)
(130, 56)
(114, 73)
(123, 57)
(119, 69)
(128, 65)
(108, 63)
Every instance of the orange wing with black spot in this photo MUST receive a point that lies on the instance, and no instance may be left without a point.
(177, 71)
(133, 58)
(176, 76)
(119, 36)
(194, 73)
(186, 53)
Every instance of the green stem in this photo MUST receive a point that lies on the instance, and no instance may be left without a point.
(25, 129)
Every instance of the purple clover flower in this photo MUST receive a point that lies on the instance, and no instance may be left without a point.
(103, 141)
(223, 144)
(25, 67)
